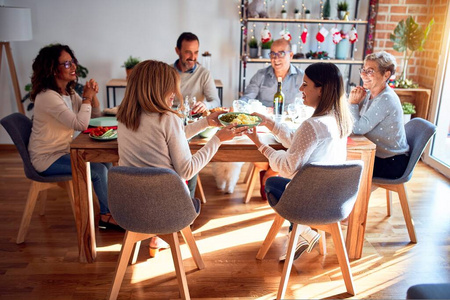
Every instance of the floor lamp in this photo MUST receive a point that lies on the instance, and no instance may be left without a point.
(15, 25)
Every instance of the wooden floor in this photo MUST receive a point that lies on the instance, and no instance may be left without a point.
(229, 234)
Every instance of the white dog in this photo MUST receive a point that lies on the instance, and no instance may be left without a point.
(226, 175)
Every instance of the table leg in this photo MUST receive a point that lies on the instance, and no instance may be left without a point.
(84, 219)
(357, 221)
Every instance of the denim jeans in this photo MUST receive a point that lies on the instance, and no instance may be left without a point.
(275, 186)
(99, 177)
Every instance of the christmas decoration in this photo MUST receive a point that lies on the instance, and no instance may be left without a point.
(304, 35)
(285, 34)
(321, 35)
(265, 35)
(353, 35)
(336, 35)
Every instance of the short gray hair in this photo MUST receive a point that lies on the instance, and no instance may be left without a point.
(385, 61)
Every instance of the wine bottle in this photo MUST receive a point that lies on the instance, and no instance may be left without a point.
(278, 101)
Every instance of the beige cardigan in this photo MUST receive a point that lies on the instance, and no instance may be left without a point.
(53, 127)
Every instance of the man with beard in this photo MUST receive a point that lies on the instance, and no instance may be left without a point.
(196, 81)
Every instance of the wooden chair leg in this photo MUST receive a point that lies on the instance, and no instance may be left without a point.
(388, 202)
(322, 243)
(199, 193)
(288, 262)
(33, 193)
(41, 200)
(341, 252)
(129, 240)
(172, 240)
(401, 189)
(136, 248)
(69, 188)
(249, 172)
(192, 245)
(251, 184)
(273, 231)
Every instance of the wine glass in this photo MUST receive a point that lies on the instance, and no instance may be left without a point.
(292, 111)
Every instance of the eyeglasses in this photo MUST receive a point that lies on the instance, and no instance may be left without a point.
(368, 72)
(68, 63)
(280, 54)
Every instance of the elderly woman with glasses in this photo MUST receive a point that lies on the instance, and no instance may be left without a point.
(58, 112)
(378, 115)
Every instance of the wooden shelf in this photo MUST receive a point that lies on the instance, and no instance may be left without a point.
(309, 61)
(420, 97)
(310, 21)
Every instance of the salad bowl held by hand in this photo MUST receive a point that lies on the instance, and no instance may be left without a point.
(239, 119)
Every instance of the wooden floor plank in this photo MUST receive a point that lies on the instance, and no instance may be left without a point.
(228, 234)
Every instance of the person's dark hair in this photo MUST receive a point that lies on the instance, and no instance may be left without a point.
(45, 66)
(332, 99)
(186, 36)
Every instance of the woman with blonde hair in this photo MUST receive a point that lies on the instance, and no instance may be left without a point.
(321, 138)
(151, 133)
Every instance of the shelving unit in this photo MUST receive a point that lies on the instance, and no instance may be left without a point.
(368, 40)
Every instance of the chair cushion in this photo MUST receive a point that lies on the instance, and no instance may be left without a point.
(429, 291)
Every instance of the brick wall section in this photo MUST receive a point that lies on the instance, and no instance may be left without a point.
(422, 66)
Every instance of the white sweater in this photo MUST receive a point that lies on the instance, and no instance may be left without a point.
(316, 140)
(162, 141)
(53, 126)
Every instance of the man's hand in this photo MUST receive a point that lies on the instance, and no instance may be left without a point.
(199, 107)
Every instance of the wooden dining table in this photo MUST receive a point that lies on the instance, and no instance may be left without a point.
(84, 150)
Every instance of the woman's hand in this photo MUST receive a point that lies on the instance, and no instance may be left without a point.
(268, 122)
(213, 119)
(357, 95)
(90, 89)
(251, 133)
(229, 132)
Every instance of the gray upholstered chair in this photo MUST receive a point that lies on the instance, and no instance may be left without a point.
(19, 127)
(319, 196)
(418, 133)
(149, 202)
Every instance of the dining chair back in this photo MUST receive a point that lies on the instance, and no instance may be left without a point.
(319, 195)
(19, 127)
(418, 134)
(149, 202)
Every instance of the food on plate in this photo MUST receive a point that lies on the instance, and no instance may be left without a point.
(212, 110)
(239, 119)
(102, 132)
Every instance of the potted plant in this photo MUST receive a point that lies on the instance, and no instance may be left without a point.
(307, 14)
(409, 37)
(326, 10)
(297, 13)
(408, 110)
(130, 63)
(265, 49)
(253, 45)
(283, 14)
(342, 8)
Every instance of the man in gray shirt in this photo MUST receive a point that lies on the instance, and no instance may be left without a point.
(263, 84)
(196, 81)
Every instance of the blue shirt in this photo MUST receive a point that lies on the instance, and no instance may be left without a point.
(263, 86)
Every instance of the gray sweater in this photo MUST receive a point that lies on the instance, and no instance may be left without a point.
(381, 120)
(162, 141)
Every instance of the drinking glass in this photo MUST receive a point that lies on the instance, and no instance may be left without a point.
(292, 111)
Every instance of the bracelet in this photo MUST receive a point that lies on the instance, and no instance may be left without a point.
(87, 98)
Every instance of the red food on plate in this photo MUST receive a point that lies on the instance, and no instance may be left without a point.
(99, 131)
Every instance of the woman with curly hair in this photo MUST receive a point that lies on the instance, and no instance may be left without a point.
(58, 113)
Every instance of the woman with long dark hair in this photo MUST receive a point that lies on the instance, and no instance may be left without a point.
(321, 138)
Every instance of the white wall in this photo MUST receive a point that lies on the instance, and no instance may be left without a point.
(103, 33)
